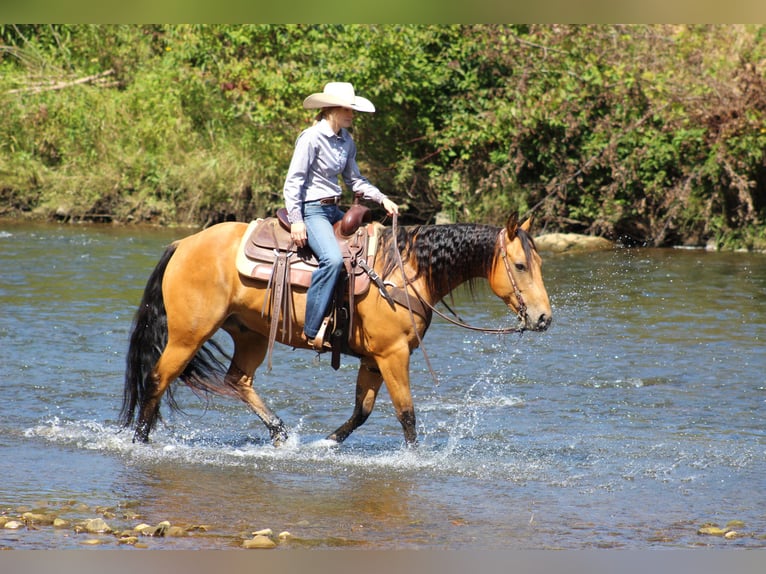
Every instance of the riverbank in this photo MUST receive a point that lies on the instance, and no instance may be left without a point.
(106, 526)
(546, 242)
(651, 135)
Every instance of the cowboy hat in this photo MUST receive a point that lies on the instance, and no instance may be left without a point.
(338, 94)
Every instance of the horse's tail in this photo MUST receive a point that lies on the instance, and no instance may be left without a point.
(148, 337)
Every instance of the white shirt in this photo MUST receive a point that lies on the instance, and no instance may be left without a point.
(321, 156)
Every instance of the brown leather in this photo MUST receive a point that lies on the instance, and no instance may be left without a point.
(284, 221)
(356, 216)
(269, 238)
(270, 255)
(270, 235)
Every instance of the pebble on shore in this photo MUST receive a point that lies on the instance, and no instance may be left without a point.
(259, 541)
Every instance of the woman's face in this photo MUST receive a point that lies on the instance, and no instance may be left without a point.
(341, 117)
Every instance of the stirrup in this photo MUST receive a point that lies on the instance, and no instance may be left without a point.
(318, 342)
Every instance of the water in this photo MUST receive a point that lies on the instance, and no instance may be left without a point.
(637, 418)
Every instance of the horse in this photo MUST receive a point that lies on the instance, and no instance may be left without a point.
(195, 290)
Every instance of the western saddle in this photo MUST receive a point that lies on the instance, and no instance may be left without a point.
(268, 253)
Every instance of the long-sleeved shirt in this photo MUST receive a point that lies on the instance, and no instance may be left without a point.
(320, 156)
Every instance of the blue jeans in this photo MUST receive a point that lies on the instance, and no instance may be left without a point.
(321, 237)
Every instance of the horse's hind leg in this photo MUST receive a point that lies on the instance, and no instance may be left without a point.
(368, 384)
(169, 366)
(249, 352)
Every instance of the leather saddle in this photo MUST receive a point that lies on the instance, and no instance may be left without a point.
(268, 239)
(268, 253)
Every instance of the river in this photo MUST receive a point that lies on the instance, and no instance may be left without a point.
(636, 420)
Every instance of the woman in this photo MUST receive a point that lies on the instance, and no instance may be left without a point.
(312, 192)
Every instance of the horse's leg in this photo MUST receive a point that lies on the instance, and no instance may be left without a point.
(169, 366)
(249, 352)
(394, 367)
(368, 382)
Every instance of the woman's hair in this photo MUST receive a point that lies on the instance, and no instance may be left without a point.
(323, 113)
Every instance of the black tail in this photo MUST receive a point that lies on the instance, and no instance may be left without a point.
(148, 338)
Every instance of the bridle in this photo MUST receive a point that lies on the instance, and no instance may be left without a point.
(522, 312)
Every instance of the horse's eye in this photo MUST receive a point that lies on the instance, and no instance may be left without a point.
(521, 267)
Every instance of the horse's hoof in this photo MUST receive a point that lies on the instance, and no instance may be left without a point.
(333, 438)
(279, 436)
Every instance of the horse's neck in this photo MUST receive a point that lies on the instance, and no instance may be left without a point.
(473, 260)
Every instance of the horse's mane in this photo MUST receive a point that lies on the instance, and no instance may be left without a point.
(446, 255)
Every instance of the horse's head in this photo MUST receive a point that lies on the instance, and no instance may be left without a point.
(517, 278)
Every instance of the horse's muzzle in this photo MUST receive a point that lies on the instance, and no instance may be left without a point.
(541, 324)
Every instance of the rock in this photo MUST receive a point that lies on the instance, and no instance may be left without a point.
(36, 518)
(60, 523)
(147, 530)
(143, 528)
(13, 525)
(259, 541)
(132, 540)
(96, 525)
(92, 541)
(561, 242)
(161, 529)
(732, 524)
(711, 531)
(63, 211)
(175, 531)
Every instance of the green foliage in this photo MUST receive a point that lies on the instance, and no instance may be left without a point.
(654, 134)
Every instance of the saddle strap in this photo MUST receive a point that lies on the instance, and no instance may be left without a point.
(356, 247)
(377, 280)
(414, 303)
(278, 300)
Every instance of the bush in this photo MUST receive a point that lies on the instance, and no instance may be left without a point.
(654, 134)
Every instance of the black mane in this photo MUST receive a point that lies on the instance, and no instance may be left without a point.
(446, 255)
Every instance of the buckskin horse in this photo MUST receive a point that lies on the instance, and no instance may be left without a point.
(196, 289)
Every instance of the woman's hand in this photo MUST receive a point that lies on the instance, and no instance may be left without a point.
(298, 233)
(390, 206)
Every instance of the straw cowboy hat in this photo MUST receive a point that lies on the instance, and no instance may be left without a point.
(338, 94)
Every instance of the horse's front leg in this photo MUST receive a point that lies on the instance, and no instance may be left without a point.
(395, 368)
(368, 382)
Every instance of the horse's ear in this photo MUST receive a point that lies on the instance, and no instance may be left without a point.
(527, 224)
(512, 225)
